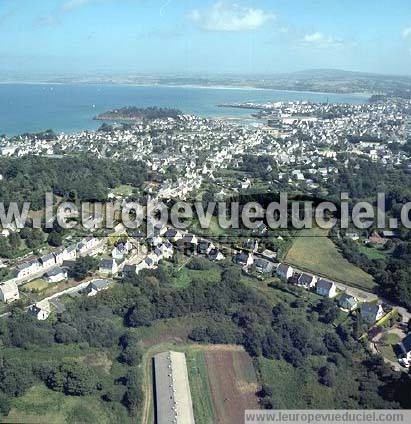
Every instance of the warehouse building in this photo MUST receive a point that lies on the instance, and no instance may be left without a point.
(172, 389)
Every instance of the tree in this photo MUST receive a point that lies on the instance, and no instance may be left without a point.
(134, 394)
(141, 314)
(266, 390)
(326, 376)
(83, 266)
(34, 238)
(15, 377)
(131, 355)
(14, 241)
(65, 333)
(4, 404)
(73, 379)
(54, 239)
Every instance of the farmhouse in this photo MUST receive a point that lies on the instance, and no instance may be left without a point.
(371, 312)
(9, 292)
(172, 389)
(326, 288)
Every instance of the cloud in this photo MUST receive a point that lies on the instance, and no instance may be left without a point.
(319, 40)
(407, 32)
(74, 4)
(229, 17)
(46, 21)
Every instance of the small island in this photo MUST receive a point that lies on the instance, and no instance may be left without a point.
(133, 113)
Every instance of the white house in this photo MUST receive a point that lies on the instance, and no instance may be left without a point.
(40, 310)
(326, 288)
(173, 234)
(306, 280)
(108, 267)
(47, 261)
(190, 239)
(26, 269)
(96, 286)
(405, 349)
(284, 271)
(70, 253)
(9, 292)
(87, 245)
(163, 251)
(244, 259)
(59, 256)
(215, 255)
(55, 275)
(371, 312)
(65, 254)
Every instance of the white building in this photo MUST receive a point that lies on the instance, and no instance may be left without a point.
(40, 310)
(9, 292)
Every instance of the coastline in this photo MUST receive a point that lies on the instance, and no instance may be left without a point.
(190, 86)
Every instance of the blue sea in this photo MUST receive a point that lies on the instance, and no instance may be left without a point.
(71, 107)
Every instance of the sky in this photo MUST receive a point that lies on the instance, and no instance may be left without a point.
(204, 36)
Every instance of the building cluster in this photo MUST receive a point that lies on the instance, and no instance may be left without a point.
(371, 312)
(187, 153)
(51, 267)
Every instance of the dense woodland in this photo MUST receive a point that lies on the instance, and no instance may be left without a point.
(83, 178)
(233, 313)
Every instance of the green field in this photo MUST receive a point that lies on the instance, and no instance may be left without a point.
(37, 285)
(313, 251)
(199, 386)
(214, 230)
(298, 388)
(371, 252)
(42, 405)
(123, 190)
(184, 276)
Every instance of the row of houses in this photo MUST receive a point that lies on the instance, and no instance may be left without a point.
(56, 258)
(49, 266)
(370, 312)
